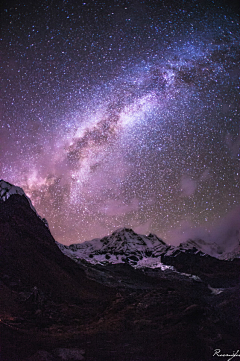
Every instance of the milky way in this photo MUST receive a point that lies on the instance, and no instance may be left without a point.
(123, 114)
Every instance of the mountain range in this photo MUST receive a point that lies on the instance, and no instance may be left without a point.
(144, 252)
(126, 246)
(123, 297)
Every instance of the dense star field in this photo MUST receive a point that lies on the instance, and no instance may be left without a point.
(124, 114)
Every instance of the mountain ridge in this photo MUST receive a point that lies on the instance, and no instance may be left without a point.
(126, 246)
(7, 190)
(31, 257)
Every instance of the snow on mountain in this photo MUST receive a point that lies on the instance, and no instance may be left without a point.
(212, 249)
(125, 246)
(235, 253)
(8, 189)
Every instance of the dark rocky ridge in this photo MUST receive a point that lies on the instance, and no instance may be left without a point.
(36, 277)
(30, 257)
(48, 302)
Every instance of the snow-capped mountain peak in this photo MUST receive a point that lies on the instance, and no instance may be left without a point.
(122, 246)
(126, 239)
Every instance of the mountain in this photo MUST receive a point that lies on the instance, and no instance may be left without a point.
(31, 257)
(122, 246)
(139, 251)
(126, 246)
(35, 276)
(214, 249)
(181, 308)
(8, 189)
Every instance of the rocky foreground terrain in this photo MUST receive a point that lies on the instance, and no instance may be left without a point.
(53, 308)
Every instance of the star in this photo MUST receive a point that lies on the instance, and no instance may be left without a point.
(124, 115)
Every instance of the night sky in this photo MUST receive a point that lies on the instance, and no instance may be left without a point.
(123, 114)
